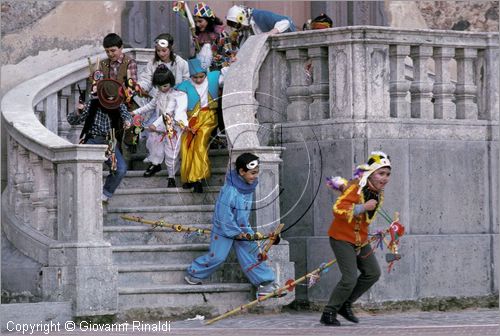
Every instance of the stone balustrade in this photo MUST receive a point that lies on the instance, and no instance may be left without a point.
(52, 209)
(428, 98)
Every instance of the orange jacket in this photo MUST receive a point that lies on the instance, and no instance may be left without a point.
(345, 225)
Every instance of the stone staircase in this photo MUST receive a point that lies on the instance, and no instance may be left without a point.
(151, 261)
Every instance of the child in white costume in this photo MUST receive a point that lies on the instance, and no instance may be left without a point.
(163, 141)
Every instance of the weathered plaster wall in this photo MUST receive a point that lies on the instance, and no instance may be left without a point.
(55, 34)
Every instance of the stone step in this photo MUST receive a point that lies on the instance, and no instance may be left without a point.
(173, 214)
(180, 301)
(163, 196)
(135, 179)
(136, 233)
(152, 254)
(157, 274)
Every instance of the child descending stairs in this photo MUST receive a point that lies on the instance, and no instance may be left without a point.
(151, 262)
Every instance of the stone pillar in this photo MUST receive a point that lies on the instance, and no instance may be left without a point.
(66, 103)
(297, 92)
(50, 201)
(52, 112)
(465, 91)
(421, 88)
(398, 85)
(80, 264)
(340, 79)
(491, 74)
(24, 184)
(444, 108)
(319, 108)
(39, 215)
(376, 80)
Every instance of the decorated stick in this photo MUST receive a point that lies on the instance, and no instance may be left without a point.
(273, 237)
(181, 228)
(175, 227)
(289, 286)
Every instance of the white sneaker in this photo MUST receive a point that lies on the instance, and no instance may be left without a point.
(264, 290)
(192, 280)
(104, 198)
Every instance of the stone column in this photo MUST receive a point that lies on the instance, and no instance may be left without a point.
(52, 112)
(80, 264)
(465, 91)
(66, 104)
(319, 108)
(39, 215)
(421, 88)
(340, 79)
(444, 108)
(376, 81)
(398, 85)
(24, 184)
(491, 74)
(297, 92)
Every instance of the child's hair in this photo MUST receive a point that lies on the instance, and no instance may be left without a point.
(162, 76)
(244, 159)
(212, 22)
(170, 39)
(112, 40)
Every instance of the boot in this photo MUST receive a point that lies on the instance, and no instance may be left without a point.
(198, 187)
(187, 185)
(152, 169)
(330, 319)
(171, 183)
(346, 312)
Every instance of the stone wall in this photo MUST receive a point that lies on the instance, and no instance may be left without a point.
(460, 15)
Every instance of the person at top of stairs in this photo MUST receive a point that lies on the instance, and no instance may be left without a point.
(230, 224)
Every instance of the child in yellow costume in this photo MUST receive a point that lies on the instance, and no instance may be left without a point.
(200, 99)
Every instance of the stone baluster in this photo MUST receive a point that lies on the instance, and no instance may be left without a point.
(50, 202)
(12, 148)
(319, 108)
(421, 88)
(340, 79)
(40, 111)
(39, 215)
(492, 92)
(398, 85)
(444, 108)
(297, 92)
(66, 103)
(465, 91)
(24, 184)
(52, 112)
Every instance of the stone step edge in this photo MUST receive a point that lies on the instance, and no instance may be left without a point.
(149, 228)
(151, 268)
(182, 289)
(160, 248)
(163, 172)
(178, 190)
(163, 208)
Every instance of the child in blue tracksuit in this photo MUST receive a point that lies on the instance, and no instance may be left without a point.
(230, 224)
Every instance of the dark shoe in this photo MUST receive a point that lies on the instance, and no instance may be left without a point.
(187, 185)
(171, 183)
(198, 187)
(152, 169)
(330, 319)
(346, 312)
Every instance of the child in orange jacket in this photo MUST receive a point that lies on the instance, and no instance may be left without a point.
(353, 212)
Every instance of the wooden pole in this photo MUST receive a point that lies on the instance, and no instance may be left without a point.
(288, 286)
